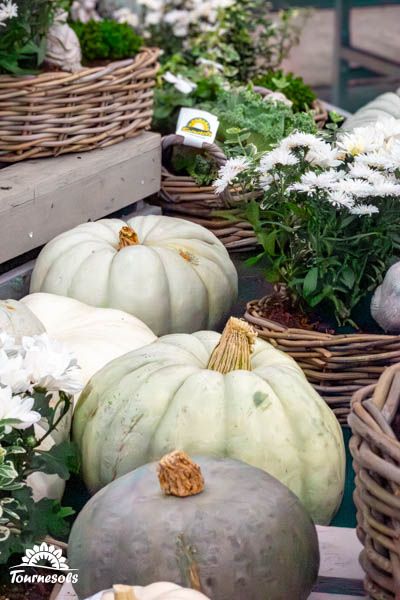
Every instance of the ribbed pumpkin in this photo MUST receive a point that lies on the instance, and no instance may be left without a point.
(17, 320)
(245, 537)
(161, 590)
(216, 395)
(384, 106)
(94, 335)
(173, 275)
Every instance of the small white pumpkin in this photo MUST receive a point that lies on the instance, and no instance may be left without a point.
(17, 320)
(161, 590)
(385, 304)
(384, 106)
(174, 275)
(94, 335)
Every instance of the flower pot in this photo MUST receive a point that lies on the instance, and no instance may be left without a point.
(336, 365)
(183, 197)
(375, 448)
(55, 113)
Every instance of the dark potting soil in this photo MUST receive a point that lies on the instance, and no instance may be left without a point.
(28, 591)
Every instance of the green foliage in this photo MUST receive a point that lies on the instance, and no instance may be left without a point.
(106, 40)
(24, 522)
(294, 88)
(264, 124)
(23, 38)
(190, 162)
(247, 41)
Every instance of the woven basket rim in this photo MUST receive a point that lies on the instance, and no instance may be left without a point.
(60, 76)
(309, 333)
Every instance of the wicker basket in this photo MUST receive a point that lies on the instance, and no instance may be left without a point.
(57, 112)
(181, 196)
(376, 452)
(336, 365)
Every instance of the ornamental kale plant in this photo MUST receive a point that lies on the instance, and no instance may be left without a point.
(23, 28)
(37, 381)
(106, 40)
(294, 88)
(329, 219)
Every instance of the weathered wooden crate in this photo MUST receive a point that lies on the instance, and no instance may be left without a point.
(41, 198)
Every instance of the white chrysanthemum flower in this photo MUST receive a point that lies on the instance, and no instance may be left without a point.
(50, 365)
(300, 140)
(17, 411)
(182, 84)
(324, 155)
(153, 18)
(340, 200)
(8, 10)
(311, 182)
(154, 5)
(124, 15)
(361, 141)
(389, 126)
(379, 160)
(229, 171)
(364, 209)
(385, 187)
(7, 342)
(358, 170)
(180, 21)
(12, 373)
(278, 156)
(355, 187)
(265, 182)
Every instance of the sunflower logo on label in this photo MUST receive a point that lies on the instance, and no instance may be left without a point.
(44, 563)
(197, 127)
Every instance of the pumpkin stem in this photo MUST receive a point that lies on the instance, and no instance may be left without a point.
(123, 592)
(234, 348)
(179, 475)
(127, 237)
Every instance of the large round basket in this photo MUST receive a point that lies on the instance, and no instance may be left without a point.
(375, 448)
(182, 196)
(336, 365)
(57, 112)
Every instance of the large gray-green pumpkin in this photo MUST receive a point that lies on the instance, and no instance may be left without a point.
(18, 320)
(245, 537)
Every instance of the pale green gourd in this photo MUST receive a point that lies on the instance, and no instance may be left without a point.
(181, 393)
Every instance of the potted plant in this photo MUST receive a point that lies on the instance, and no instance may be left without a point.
(70, 89)
(329, 225)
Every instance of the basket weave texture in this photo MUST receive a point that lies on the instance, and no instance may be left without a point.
(56, 113)
(181, 196)
(336, 365)
(376, 452)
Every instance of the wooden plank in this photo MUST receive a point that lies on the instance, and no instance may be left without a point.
(41, 198)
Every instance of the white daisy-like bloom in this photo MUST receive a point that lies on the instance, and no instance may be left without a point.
(16, 410)
(124, 15)
(266, 181)
(153, 5)
(12, 373)
(389, 126)
(182, 84)
(361, 141)
(8, 10)
(153, 18)
(355, 187)
(50, 365)
(311, 182)
(180, 21)
(278, 156)
(300, 140)
(7, 342)
(364, 209)
(358, 170)
(379, 160)
(229, 171)
(340, 199)
(324, 155)
(385, 187)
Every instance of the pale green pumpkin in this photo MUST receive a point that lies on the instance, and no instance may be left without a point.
(204, 393)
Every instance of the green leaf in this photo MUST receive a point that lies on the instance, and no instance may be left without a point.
(310, 282)
(348, 277)
(9, 476)
(268, 241)
(60, 460)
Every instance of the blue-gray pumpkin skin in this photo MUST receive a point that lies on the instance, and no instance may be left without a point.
(247, 535)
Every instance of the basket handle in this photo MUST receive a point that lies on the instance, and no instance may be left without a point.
(177, 140)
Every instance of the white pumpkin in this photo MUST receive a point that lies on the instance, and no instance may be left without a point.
(17, 320)
(156, 591)
(174, 275)
(205, 394)
(384, 106)
(94, 335)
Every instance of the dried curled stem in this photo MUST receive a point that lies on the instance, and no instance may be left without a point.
(235, 347)
(127, 237)
(123, 592)
(179, 475)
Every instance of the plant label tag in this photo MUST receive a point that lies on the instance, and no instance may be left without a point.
(197, 127)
